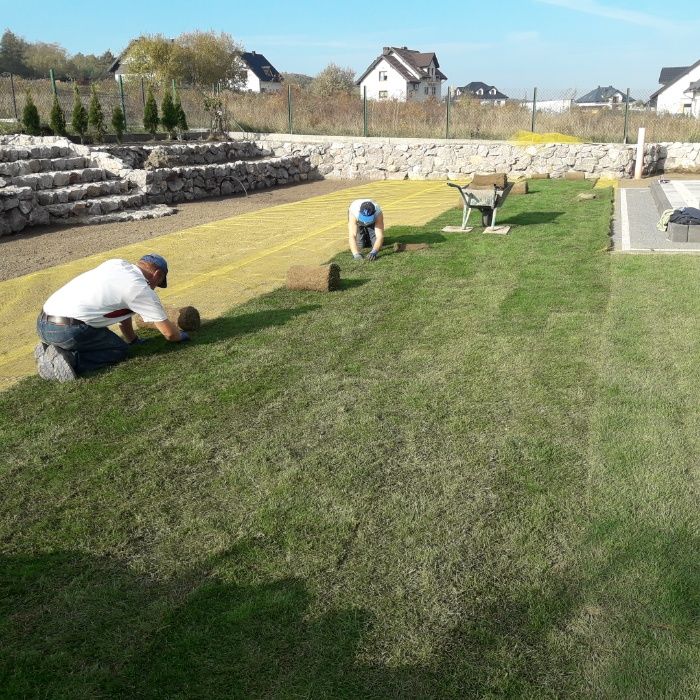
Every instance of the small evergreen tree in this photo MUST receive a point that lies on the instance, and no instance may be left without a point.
(79, 118)
(30, 117)
(96, 118)
(150, 113)
(168, 113)
(118, 123)
(181, 118)
(57, 119)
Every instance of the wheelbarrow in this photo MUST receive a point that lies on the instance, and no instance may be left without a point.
(486, 201)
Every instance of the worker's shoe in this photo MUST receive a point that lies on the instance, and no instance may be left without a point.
(54, 363)
(43, 366)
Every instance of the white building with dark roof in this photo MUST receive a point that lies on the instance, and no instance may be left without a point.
(675, 95)
(403, 74)
(261, 75)
(486, 94)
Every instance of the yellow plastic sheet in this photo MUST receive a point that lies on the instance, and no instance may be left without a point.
(218, 265)
(528, 138)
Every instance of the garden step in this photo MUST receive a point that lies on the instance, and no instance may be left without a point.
(74, 193)
(154, 211)
(95, 206)
(42, 165)
(61, 178)
(9, 153)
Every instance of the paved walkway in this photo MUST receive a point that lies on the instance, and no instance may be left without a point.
(218, 265)
(636, 217)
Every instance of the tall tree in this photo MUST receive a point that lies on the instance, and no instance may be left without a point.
(198, 58)
(333, 79)
(13, 54)
(42, 56)
(209, 57)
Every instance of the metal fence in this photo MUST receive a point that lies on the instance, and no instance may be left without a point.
(294, 110)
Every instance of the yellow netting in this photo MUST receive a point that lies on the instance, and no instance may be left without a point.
(218, 265)
(527, 138)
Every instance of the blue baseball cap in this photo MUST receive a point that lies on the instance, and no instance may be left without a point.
(368, 213)
(160, 262)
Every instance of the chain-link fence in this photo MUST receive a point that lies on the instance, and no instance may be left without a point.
(604, 116)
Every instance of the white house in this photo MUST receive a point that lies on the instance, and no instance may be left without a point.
(693, 93)
(403, 74)
(673, 96)
(261, 75)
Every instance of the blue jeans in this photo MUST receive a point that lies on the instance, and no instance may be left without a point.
(90, 348)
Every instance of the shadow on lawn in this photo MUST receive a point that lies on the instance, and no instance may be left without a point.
(82, 626)
(410, 237)
(525, 218)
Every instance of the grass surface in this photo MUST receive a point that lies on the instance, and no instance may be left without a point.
(471, 473)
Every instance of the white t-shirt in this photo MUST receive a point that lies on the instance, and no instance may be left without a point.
(355, 207)
(111, 293)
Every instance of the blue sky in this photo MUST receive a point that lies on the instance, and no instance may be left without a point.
(514, 44)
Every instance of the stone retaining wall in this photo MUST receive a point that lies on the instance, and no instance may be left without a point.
(184, 184)
(420, 159)
(186, 153)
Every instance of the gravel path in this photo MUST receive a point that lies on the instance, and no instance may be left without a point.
(47, 246)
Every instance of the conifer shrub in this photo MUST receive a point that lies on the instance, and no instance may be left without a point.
(30, 117)
(168, 113)
(57, 119)
(150, 113)
(181, 118)
(96, 118)
(118, 123)
(79, 117)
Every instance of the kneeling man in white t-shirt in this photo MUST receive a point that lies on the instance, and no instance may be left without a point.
(73, 324)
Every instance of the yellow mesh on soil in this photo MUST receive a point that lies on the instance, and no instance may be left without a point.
(528, 138)
(218, 265)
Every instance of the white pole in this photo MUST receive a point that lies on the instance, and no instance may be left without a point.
(639, 163)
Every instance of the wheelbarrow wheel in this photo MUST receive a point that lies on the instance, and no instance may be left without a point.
(486, 217)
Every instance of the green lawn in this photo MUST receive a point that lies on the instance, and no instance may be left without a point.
(471, 473)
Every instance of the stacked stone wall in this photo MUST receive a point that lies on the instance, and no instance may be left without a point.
(185, 184)
(422, 159)
(181, 154)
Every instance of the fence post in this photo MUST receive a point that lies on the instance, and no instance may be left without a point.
(53, 82)
(627, 107)
(364, 110)
(534, 110)
(121, 97)
(289, 108)
(14, 97)
(447, 115)
(143, 93)
(174, 90)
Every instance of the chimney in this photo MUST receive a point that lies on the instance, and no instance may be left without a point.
(386, 50)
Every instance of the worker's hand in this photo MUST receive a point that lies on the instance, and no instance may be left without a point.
(372, 255)
(357, 256)
(184, 336)
(138, 341)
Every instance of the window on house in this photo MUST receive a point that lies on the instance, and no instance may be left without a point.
(383, 94)
(480, 91)
(426, 90)
(492, 91)
(382, 76)
(433, 89)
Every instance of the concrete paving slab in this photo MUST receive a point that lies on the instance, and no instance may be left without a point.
(636, 217)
